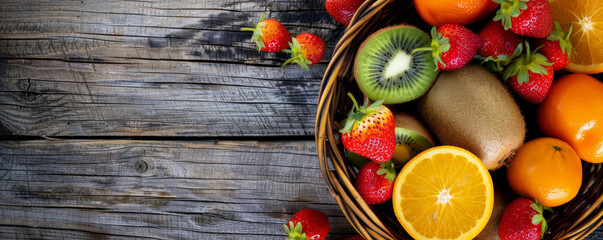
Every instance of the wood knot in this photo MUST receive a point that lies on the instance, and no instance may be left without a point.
(141, 166)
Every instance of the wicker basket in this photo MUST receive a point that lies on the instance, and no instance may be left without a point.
(574, 220)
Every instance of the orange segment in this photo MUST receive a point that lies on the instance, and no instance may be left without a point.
(586, 17)
(444, 192)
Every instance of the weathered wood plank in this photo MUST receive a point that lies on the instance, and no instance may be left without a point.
(189, 190)
(148, 68)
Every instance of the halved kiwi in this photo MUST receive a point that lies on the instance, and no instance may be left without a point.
(408, 144)
(385, 67)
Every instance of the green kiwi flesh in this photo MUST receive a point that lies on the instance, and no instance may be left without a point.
(385, 69)
(408, 144)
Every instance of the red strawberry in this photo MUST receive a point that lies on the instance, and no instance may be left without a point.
(499, 46)
(270, 35)
(530, 75)
(530, 18)
(452, 46)
(557, 47)
(523, 220)
(353, 237)
(497, 42)
(369, 131)
(307, 49)
(342, 10)
(375, 182)
(308, 224)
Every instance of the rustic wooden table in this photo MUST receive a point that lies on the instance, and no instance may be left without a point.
(157, 119)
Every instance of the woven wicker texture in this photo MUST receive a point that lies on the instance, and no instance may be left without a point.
(574, 220)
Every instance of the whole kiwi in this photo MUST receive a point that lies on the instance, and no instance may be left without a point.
(501, 199)
(470, 108)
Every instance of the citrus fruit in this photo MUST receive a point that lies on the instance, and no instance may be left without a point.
(462, 12)
(444, 192)
(573, 112)
(586, 17)
(547, 169)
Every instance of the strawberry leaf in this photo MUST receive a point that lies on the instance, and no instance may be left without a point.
(559, 35)
(509, 9)
(388, 169)
(375, 106)
(510, 70)
(523, 76)
(257, 32)
(439, 45)
(358, 116)
(348, 124)
(294, 232)
(539, 218)
(297, 56)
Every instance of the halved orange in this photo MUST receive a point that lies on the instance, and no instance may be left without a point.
(586, 17)
(444, 192)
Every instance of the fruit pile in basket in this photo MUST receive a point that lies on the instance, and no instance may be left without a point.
(440, 113)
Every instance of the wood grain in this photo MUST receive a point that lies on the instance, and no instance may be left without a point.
(154, 68)
(91, 189)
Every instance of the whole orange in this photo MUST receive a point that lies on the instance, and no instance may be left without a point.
(547, 169)
(573, 112)
(462, 12)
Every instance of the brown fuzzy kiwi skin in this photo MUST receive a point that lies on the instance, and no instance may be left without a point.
(501, 200)
(408, 121)
(470, 108)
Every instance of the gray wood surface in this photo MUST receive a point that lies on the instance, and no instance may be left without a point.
(190, 190)
(150, 68)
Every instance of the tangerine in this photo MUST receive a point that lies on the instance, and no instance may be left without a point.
(573, 112)
(462, 12)
(547, 169)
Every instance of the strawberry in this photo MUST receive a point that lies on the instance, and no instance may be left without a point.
(497, 41)
(375, 182)
(499, 46)
(452, 46)
(342, 10)
(270, 35)
(530, 18)
(307, 224)
(369, 131)
(557, 47)
(530, 75)
(306, 49)
(523, 220)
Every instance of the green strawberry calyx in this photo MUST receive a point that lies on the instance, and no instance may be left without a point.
(257, 32)
(509, 9)
(296, 55)
(439, 45)
(559, 35)
(529, 62)
(294, 232)
(357, 113)
(501, 61)
(388, 169)
(539, 217)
